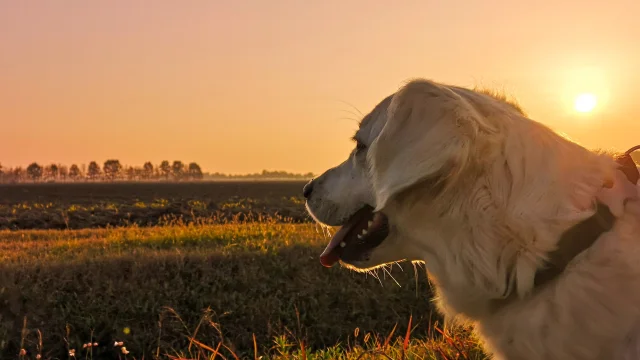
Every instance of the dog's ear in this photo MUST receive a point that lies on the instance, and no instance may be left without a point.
(617, 192)
(428, 136)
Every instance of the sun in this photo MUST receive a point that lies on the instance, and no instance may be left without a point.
(585, 103)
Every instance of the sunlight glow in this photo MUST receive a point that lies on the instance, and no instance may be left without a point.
(585, 103)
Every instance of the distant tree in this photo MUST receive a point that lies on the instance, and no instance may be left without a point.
(51, 172)
(112, 169)
(265, 174)
(130, 172)
(194, 171)
(74, 173)
(6, 175)
(63, 171)
(165, 169)
(34, 172)
(18, 174)
(93, 172)
(147, 170)
(177, 169)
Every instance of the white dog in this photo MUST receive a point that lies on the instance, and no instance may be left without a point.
(532, 237)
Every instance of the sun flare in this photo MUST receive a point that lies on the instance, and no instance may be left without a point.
(585, 103)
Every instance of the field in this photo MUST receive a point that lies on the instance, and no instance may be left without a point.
(99, 205)
(201, 286)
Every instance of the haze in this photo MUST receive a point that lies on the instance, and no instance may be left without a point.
(241, 86)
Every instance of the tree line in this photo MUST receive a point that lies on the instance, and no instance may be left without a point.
(112, 170)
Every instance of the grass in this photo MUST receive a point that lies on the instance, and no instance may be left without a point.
(218, 270)
(202, 291)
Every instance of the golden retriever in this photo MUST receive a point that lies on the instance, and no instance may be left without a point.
(530, 236)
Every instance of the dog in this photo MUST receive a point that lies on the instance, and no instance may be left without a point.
(528, 235)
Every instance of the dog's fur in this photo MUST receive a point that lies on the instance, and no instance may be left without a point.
(482, 194)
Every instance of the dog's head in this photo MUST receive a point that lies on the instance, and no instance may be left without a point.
(344, 196)
(460, 179)
(420, 136)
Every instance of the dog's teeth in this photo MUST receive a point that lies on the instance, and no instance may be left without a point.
(364, 232)
(343, 244)
(369, 223)
(359, 236)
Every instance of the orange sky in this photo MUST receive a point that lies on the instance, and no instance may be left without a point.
(241, 86)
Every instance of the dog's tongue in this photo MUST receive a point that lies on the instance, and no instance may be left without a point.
(331, 253)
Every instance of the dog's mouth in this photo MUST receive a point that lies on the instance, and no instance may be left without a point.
(360, 234)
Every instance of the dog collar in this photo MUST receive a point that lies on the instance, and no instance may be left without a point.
(581, 236)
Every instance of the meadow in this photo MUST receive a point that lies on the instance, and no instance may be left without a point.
(208, 285)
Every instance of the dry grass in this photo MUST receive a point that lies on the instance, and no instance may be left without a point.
(240, 289)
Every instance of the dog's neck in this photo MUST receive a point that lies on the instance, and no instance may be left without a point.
(578, 238)
(473, 289)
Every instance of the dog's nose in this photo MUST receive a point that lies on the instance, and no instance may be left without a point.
(307, 189)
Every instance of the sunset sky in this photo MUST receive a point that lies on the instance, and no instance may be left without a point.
(241, 86)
